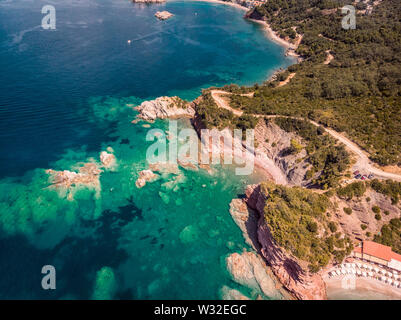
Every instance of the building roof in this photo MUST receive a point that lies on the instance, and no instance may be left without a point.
(378, 250)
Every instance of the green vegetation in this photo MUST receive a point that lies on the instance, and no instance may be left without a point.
(364, 226)
(389, 188)
(211, 116)
(390, 235)
(359, 92)
(347, 210)
(378, 217)
(323, 153)
(296, 147)
(376, 209)
(355, 189)
(295, 216)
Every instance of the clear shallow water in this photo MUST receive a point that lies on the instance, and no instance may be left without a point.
(63, 99)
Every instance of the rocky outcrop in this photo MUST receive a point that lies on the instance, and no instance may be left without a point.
(88, 174)
(108, 160)
(165, 107)
(249, 270)
(274, 143)
(145, 176)
(163, 15)
(291, 272)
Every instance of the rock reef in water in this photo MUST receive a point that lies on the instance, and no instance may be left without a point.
(145, 176)
(87, 175)
(165, 107)
(105, 284)
(249, 270)
(228, 293)
(163, 15)
(107, 159)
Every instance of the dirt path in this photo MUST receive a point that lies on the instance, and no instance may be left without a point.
(363, 164)
(329, 57)
(283, 83)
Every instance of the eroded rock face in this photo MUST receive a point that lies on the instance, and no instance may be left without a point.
(145, 176)
(291, 272)
(164, 107)
(249, 270)
(274, 143)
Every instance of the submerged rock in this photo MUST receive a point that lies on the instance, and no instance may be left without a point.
(249, 270)
(189, 234)
(163, 15)
(232, 294)
(105, 284)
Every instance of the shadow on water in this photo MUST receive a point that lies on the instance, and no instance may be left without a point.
(75, 259)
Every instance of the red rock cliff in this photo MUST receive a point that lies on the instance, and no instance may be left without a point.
(298, 281)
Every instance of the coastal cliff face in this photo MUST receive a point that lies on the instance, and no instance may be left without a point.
(274, 143)
(289, 270)
(165, 107)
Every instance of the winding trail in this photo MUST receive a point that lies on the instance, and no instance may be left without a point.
(362, 163)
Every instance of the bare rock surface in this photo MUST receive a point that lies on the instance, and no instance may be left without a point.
(164, 107)
(144, 177)
(163, 15)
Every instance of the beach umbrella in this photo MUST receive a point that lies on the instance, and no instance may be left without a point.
(353, 265)
(377, 269)
(390, 274)
(343, 271)
(390, 281)
(359, 272)
(383, 278)
(338, 272)
(353, 271)
(365, 266)
(396, 283)
(364, 274)
(370, 267)
(370, 274)
(359, 265)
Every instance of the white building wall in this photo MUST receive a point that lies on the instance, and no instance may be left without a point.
(395, 264)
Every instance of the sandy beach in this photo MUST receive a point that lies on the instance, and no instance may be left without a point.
(366, 289)
(226, 3)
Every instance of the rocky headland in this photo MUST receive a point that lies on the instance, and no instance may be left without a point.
(165, 107)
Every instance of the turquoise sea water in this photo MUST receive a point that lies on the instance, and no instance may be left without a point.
(65, 96)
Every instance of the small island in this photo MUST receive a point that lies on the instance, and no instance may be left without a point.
(163, 15)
